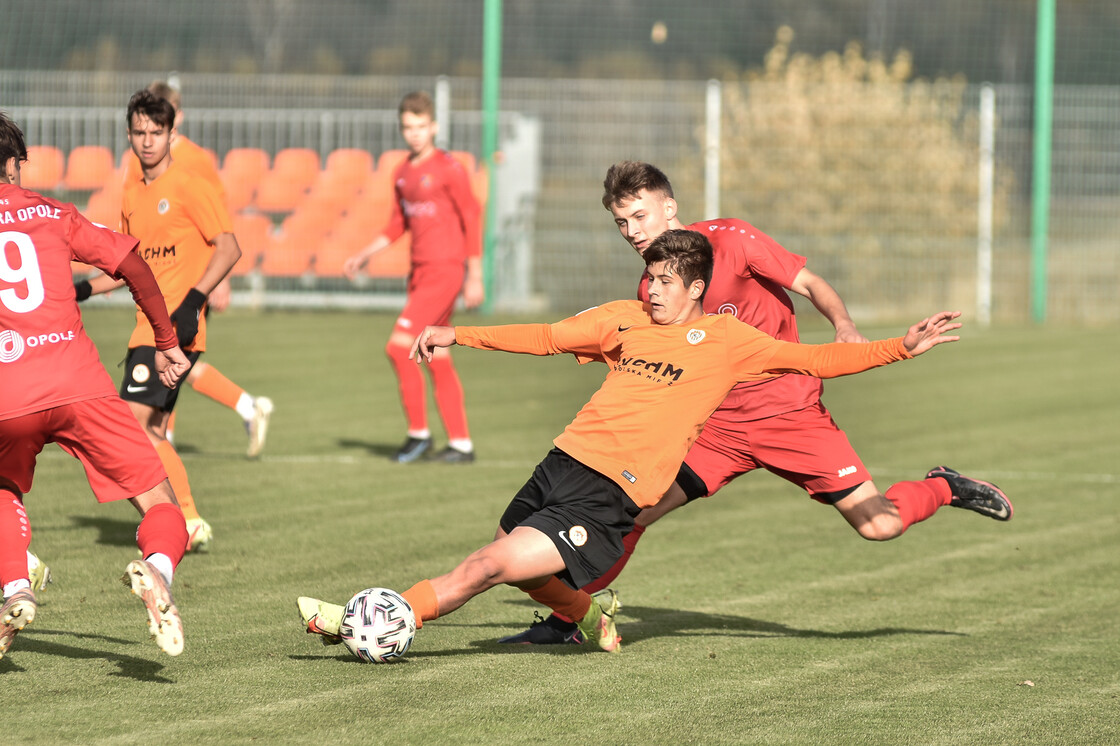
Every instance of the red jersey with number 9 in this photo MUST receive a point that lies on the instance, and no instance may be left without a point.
(46, 358)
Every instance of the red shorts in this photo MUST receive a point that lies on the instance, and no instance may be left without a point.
(103, 434)
(432, 292)
(804, 447)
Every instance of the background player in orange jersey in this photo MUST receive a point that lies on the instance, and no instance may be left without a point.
(56, 390)
(186, 236)
(434, 202)
(254, 411)
(564, 528)
(778, 424)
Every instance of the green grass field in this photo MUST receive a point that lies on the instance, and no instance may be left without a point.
(754, 617)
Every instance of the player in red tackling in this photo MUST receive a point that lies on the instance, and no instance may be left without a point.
(778, 424)
(434, 202)
(56, 390)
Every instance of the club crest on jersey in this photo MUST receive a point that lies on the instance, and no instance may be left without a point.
(578, 535)
(141, 373)
(695, 336)
(163, 207)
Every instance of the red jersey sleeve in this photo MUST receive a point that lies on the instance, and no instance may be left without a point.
(96, 245)
(396, 226)
(458, 185)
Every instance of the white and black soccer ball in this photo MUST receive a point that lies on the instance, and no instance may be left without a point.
(378, 625)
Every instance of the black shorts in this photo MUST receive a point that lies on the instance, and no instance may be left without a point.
(584, 514)
(141, 383)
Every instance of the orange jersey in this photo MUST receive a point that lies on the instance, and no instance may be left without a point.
(176, 219)
(188, 155)
(664, 381)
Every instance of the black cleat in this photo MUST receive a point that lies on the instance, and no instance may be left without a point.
(412, 449)
(972, 494)
(550, 631)
(451, 455)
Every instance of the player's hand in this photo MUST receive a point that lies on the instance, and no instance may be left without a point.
(220, 296)
(186, 317)
(355, 264)
(930, 332)
(849, 335)
(429, 339)
(474, 292)
(171, 366)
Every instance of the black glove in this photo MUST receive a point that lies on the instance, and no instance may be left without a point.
(186, 316)
(83, 290)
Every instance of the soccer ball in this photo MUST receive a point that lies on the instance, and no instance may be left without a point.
(378, 625)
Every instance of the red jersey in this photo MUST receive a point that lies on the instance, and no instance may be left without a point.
(46, 358)
(750, 276)
(434, 201)
(664, 381)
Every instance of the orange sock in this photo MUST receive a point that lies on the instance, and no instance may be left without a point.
(556, 595)
(177, 474)
(422, 598)
(212, 383)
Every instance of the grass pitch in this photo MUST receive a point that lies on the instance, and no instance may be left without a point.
(754, 617)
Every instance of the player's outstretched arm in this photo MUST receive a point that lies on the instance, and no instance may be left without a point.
(355, 263)
(171, 366)
(930, 332)
(429, 339)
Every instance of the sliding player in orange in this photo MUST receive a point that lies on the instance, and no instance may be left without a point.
(186, 236)
(204, 378)
(780, 423)
(670, 366)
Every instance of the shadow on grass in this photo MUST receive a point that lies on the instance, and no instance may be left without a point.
(373, 449)
(114, 532)
(129, 667)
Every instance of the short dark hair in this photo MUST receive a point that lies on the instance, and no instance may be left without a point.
(157, 109)
(686, 252)
(627, 178)
(11, 141)
(417, 102)
(165, 90)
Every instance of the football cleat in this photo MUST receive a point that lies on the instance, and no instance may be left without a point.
(972, 494)
(17, 612)
(321, 618)
(598, 624)
(258, 425)
(451, 455)
(38, 573)
(199, 535)
(550, 631)
(412, 449)
(163, 618)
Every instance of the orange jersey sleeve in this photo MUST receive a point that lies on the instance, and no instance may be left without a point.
(663, 382)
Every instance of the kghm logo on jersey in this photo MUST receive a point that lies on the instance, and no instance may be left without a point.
(654, 370)
(13, 344)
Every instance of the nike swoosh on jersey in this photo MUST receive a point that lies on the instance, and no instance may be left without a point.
(622, 328)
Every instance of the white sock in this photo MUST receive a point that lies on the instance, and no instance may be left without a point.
(421, 434)
(245, 406)
(461, 444)
(162, 563)
(32, 561)
(23, 584)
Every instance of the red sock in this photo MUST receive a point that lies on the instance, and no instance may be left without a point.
(422, 598)
(564, 601)
(628, 543)
(917, 501)
(163, 530)
(410, 381)
(449, 398)
(15, 538)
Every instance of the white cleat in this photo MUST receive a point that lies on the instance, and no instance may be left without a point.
(258, 425)
(163, 618)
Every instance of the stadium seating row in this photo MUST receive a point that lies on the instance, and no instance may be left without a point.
(293, 214)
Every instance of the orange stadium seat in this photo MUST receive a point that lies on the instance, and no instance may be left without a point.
(253, 232)
(241, 172)
(349, 166)
(293, 172)
(390, 159)
(104, 206)
(292, 250)
(88, 167)
(44, 169)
